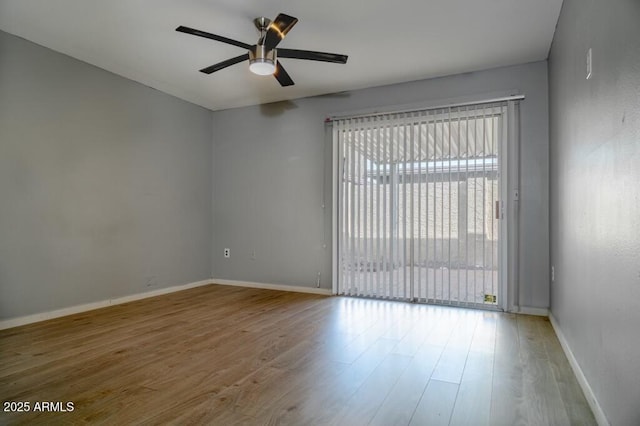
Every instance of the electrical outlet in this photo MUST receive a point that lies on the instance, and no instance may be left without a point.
(227, 253)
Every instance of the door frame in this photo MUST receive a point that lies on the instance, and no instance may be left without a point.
(509, 169)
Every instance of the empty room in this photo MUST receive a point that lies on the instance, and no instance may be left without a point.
(309, 213)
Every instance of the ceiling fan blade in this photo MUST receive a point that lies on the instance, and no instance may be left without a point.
(215, 37)
(312, 56)
(278, 29)
(282, 76)
(224, 64)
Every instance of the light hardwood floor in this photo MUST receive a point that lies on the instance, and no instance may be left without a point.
(228, 355)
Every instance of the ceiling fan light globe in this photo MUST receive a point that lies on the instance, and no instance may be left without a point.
(262, 67)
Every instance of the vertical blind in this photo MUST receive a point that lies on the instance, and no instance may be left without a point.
(416, 204)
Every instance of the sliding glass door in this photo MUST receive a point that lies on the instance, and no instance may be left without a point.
(419, 205)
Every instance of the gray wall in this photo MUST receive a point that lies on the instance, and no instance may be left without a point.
(595, 197)
(104, 184)
(272, 171)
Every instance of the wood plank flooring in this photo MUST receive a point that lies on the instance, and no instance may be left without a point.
(228, 355)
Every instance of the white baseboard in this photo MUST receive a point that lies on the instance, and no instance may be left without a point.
(530, 310)
(29, 319)
(280, 287)
(582, 380)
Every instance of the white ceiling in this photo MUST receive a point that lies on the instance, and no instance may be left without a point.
(387, 41)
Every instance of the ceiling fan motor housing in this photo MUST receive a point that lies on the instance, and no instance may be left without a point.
(261, 60)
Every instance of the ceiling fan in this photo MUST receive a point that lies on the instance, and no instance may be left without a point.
(263, 56)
